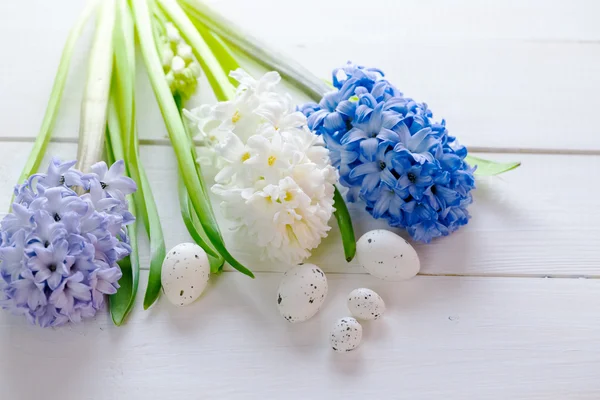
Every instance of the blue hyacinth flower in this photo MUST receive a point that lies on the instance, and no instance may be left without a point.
(392, 154)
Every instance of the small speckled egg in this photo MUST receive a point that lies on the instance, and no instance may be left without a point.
(365, 304)
(301, 293)
(185, 273)
(346, 335)
(387, 256)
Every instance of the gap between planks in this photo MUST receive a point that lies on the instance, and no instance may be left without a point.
(451, 275)
(472, 149)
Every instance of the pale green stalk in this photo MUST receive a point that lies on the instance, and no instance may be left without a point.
(97, 89)
(177, 134)
(41, 142)
(218, 79)
(258, 51)
(219, 48)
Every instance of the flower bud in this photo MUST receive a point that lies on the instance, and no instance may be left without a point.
(177, 65)
(172, 33)
(167, 56)
(185, 51)
(170, 79)
(194, 66)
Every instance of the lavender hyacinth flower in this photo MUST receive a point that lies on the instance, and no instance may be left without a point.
(392, 155)
(58, 250)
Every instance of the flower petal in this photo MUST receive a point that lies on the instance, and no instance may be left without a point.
(353, 135)
(368, 149)
(100, 169)
(364, 169)
(116, 171)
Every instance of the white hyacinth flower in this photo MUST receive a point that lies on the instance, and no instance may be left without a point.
(181, 68)
(276, 182)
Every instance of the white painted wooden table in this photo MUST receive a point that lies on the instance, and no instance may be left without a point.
(507, 308)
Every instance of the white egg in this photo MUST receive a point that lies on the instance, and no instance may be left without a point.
(386, 255)
(346, 335)
(365, 304)
(301, 293)
(185, 273)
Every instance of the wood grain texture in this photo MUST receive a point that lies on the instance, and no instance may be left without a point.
(537, 220)
(531, 66)
(442, 337)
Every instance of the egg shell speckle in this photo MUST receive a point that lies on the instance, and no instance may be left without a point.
(365, 304)
(301, 293)
(185, 273)
(346, 335)
(387, 256)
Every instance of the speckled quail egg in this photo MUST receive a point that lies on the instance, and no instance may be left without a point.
(301, 293)
(387, 256)
(346, 335)
(185, 273)
(365, 304)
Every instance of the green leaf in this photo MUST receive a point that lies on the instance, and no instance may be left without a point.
(41, 142)
(193, 226)
(345, 224)
(122, 302)
(190, 218)
(188, 167)
(143, 198)
(187, 214)
(490, 168)
(219, 81)
(158, 250)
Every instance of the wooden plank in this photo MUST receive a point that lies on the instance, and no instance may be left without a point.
(442, 337)
(387, 20)
(541, 219)
(485, 68)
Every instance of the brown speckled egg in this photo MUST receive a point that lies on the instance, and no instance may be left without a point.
(346, 335)
(387, 256)
(365, 304)
(301, 293)
(185, 273)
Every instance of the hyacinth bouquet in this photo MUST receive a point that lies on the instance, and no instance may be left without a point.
(71, 237)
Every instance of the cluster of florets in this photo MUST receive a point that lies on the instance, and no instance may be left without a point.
(392, 155)
(59, 250)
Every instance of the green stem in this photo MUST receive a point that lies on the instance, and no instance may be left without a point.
(143, 198)
(224, 54)
(181, 145)
(41, 142)
(260, 52)
(186, 210)
(122, 302)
